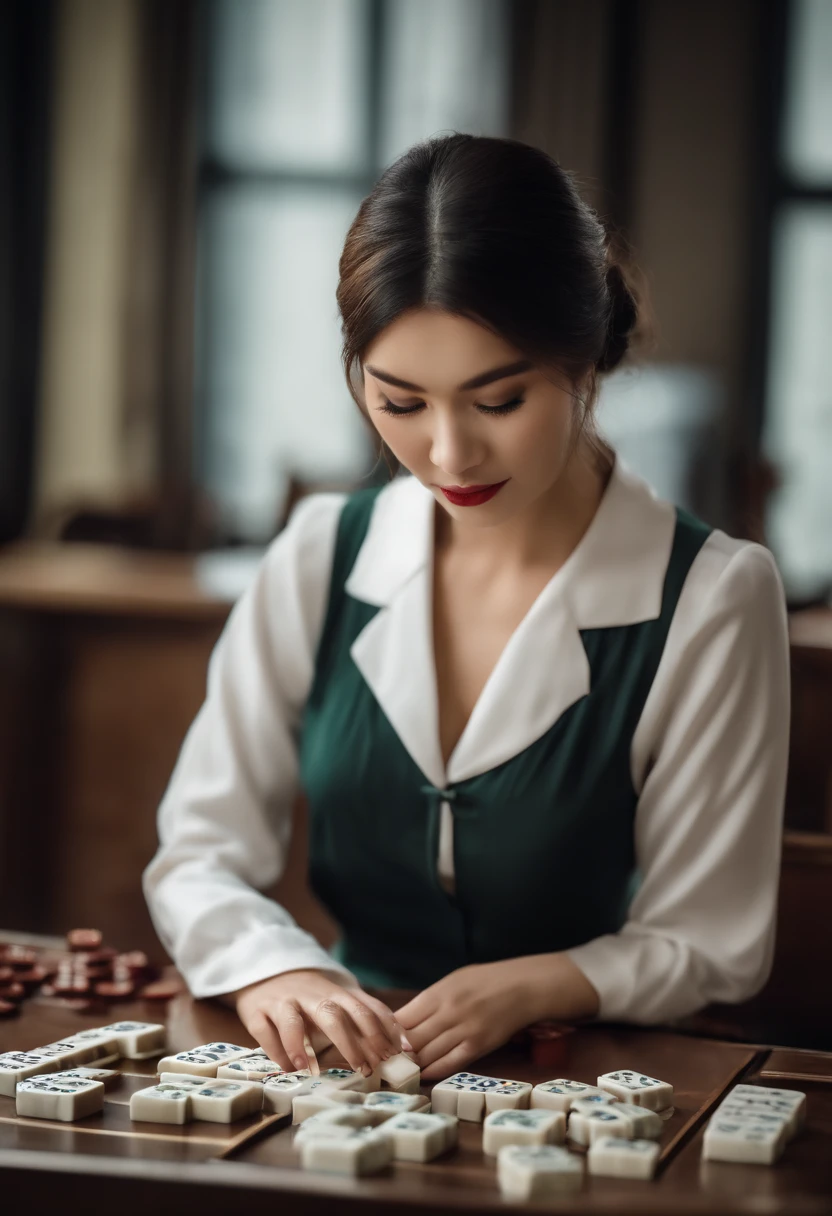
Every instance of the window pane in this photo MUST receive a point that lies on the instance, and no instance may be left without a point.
(807, 130)
(287, 84)
(272, 395)
(798, 436)
(444, 67)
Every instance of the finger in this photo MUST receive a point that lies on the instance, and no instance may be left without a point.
(458, 1058)
(439, 1045)
(385, 1034)
(421, 1007)
(260, 1026)
(291, 1026)
(423, 1034)
(333, 1019)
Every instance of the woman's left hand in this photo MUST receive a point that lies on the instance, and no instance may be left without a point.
(468, 1013)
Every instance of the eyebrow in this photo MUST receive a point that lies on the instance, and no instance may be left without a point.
(496, 373)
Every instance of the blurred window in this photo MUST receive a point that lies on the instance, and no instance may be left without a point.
(798, 413)
(304, 104)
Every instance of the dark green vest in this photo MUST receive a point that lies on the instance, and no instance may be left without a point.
(544, 854)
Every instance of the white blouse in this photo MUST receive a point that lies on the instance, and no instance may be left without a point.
(708, 758)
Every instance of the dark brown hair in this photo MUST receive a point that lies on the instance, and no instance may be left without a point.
(493, 230)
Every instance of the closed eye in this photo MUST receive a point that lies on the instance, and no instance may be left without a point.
(402, 411)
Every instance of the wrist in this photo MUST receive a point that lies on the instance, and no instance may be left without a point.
(557, 989)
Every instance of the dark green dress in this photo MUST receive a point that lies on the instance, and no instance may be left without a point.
(544, 854)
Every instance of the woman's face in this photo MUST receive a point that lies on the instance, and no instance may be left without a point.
(517, 429)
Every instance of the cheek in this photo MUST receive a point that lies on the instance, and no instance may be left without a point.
(538, 439)
(405, 438)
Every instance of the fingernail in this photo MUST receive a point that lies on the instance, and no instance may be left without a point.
(407, 1045)
(300, 1062)
(366, 1070)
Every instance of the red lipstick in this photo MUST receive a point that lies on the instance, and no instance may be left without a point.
(471, 496)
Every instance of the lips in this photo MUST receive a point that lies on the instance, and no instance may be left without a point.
(471, 496)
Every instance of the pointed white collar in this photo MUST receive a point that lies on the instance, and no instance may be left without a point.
(614, 576)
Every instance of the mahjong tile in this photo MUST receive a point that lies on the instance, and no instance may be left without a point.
(589, 1122)
(558, 1094)
(778, 1099)
(68, 1053)
(742, 1140)
(537, 1171)
(318, 1097)
(182, 1080)
(108, 1077)
(20, 1065)
(104, 1044)
(469, 1095)
(346, 1078)
(41, 1098)
(255, 1067)
(635, 1087)
(611, 1157)
(365, 1151)
(522, 1127)
(280, 1091)
(162, 1103)
(400, 1072)
(420, 1136)
(750, 1107)
(138, 1040)
(335, 1120)
(386, 1103)
(646, 1124)
(222, 1101)
(203, 1061)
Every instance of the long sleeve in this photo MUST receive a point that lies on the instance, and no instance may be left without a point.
(709, 762)
(225, 819)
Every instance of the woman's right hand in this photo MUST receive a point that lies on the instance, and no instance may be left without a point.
(279, 1011)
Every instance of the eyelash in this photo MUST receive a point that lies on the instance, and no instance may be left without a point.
(398, 411)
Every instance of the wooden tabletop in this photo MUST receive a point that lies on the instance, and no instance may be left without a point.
(105, 1160)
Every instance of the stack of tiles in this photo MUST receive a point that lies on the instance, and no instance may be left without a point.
(612, 1157)
(69, 1061)
(753, 1124)
(254, 1067)
(281, 1093)
(203, 1061)
(637, 1088)
(59, 1097)
(180, 1098)
(364, 1150)
(537, 1171)
(469, 1096)
(559, 1094)
(589, 1121)
(522, 1127)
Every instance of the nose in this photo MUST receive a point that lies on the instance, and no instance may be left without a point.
(454, 448)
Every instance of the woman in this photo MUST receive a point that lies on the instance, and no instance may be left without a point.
(540, 715)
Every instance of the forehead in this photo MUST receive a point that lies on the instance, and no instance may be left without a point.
(437, 350)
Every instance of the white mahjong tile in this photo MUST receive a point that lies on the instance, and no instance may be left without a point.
(365, 1151)
(469, 1095)
(138, 1040)
(743, 1140)
(610, 1157)
(774, 1099)
(20, 1065)
(400, 1072)
(255, 1067)
(280, 1091)
(70, 1054)
(646, 1124)
(104, 1044)
(386, 1103)
(107, 1076)
(742, 1112)
(162, 1103)
(222, 1101)
(420, 1136)
(182, 1080)
(203, 1061)
(522, 1127)
(318, 1097)
(749, 1108)
(589, 1122)
(558, 1094)
(41, 1098)
(346, 1078)
(336, 1120)
(536, 1171)
(629, 1086)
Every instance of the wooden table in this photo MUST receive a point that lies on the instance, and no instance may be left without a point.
(106, 1163)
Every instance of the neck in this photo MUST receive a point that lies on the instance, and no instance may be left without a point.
(546, 531)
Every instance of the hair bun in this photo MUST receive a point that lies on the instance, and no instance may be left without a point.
(622, 319)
